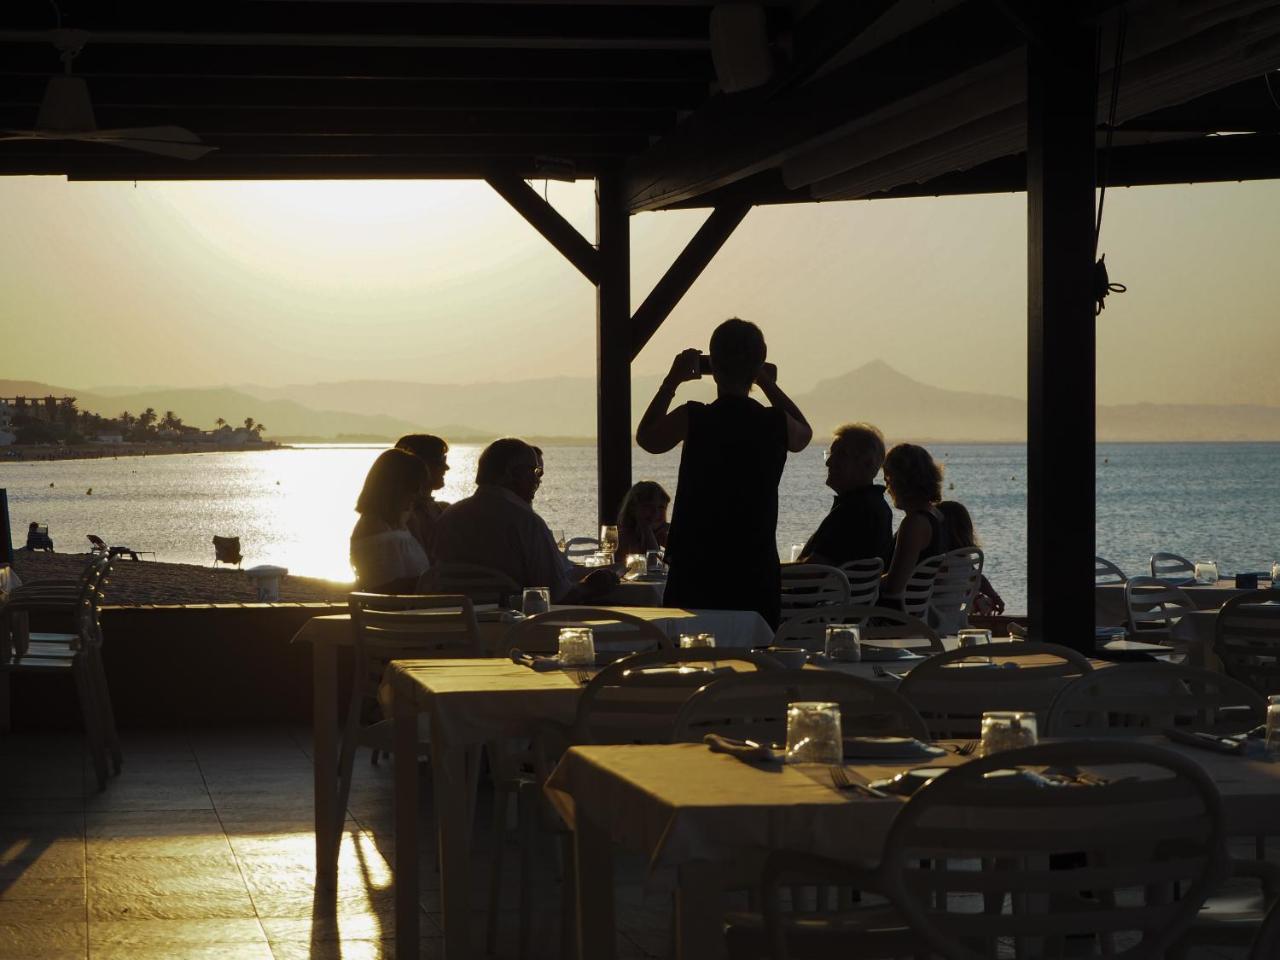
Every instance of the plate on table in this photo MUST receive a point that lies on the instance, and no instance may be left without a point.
(889, 748)
(873, 654)
(908, 781)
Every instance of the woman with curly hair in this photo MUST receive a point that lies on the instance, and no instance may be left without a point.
(914, 481)
(384, 554)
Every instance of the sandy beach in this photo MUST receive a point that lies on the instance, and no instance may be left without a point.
(146, 581)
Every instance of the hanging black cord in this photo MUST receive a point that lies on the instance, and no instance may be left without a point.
(1101, 283)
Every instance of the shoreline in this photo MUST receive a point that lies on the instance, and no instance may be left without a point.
(45, 453)
(143, 582)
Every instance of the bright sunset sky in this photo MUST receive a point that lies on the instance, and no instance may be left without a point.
(196, 284)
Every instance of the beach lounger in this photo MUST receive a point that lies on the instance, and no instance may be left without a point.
(226, 550)
(98, 547)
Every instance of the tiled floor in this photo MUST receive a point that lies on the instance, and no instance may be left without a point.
(203, 848)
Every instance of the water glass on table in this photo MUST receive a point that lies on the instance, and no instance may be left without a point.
(1206, 571)
(535, 600)
(637, 565)
(577, 647)
(972, 637)
(843, 643)
(813, 732)
(796, 549)
(694, 641)
(1275, 576)
(653, 561)
(1273, 728)
(1007, 730)
(609, 540)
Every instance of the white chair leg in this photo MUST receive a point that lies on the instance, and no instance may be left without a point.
(92, 716)
(501, 801)
(526, 811)
(346, 765)
(103, 691)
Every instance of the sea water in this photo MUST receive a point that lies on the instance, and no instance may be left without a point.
(293, 506)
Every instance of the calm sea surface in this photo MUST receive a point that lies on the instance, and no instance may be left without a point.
(293, 506)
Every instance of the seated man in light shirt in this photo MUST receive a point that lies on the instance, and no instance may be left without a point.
(497, 527)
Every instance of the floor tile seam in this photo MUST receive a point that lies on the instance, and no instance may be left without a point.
(244, 880)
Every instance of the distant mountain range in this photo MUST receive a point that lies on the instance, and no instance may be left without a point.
(564, 407)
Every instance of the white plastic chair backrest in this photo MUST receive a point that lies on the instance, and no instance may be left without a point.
(808, 629)
(809, 585)
(954, 587)
(636, 699)
(1154, 605)
(1172, 568)
(1247, 639)
(971, 858)
(1104, 572)
(919, 589)
(864, 580)
(581, 547)
(952, 690)
(753, 706)
(481, 584)
(1142, 699)
(613, 630)
(388, 627)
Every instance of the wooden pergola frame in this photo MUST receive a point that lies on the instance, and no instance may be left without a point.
(883, 98)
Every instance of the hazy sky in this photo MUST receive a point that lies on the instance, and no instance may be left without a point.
(205, 284)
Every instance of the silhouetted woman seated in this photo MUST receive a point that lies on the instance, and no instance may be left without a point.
(914, 481)
(962, 534)
(385, 555)
(642, 519)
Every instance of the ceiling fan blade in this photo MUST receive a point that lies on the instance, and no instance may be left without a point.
(166, 141)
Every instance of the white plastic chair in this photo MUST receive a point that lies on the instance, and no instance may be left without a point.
(919, 589)
(1141, 699)
(1153, 608)
(808, 628)
(954, 587)
(809, 585)
(864, 580)
(1172, 568)
(976, 857)
(615, 631)
(1106, 572)
(1247, 639)
(952, 690)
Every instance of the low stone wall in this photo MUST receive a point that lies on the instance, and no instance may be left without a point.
(190, 665)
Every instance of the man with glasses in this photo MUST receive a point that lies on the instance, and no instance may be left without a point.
(497, 527)
(434, 452)
(860, 524)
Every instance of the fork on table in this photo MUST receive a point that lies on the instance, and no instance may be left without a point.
(840, 780)
(965, 749)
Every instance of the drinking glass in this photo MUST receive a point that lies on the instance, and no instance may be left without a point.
(608, 539)
(577, 647)
(1273, 728)
(796, 549)
(637, 565)
(692, 641)
(1206, 571)
(813, 732)
(1007, 730)
(843, 642)
(1275, 575)
(535, 600)
(653, 561)
(975, 637)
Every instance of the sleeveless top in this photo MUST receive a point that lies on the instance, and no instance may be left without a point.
(939, 538)
(382, 558)
(722, 548)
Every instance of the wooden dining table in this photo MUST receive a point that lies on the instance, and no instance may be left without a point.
(691, 811)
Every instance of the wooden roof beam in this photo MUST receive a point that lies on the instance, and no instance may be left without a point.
(737, 137)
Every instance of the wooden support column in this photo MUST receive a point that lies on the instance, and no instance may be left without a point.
(1061, 345)
(613, 346)
(544, 218)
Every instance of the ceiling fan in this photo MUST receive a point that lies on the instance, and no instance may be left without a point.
(66, 113)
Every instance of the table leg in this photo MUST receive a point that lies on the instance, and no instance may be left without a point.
(593, 861)
(451, 780)
(324, 737)
(699, 911)
(405, 719)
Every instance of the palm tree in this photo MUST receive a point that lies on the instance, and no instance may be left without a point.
(170, 420)
(220, 423)
(147, 418)
(248, 424)
(126, 419)
(258, 428)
